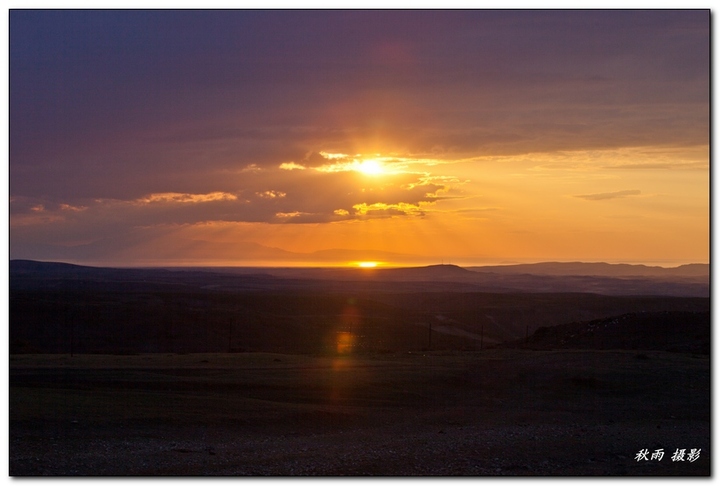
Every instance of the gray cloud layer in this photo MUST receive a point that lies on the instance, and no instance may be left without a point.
(131, 95)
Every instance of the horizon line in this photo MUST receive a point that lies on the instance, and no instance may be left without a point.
(348, 265)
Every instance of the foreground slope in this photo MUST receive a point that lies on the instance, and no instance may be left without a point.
(498, 412)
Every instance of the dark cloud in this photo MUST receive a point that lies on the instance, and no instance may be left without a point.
(263, 84)
(313, 159)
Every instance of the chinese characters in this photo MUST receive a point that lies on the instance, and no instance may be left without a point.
(678, 455)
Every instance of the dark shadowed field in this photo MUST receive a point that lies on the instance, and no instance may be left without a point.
(494, 412)
(150, 372)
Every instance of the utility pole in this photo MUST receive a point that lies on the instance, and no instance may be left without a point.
(482, 335)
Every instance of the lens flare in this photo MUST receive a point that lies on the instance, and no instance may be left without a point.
(345, 342)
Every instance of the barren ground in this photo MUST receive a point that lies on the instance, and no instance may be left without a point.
(493, 412)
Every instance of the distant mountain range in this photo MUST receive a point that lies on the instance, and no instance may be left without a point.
(601, 278)
(202, 253)
(448, 271)
(599, 269)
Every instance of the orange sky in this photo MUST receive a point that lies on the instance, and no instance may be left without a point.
(590, 206)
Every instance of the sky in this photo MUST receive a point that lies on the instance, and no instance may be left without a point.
(317, 137)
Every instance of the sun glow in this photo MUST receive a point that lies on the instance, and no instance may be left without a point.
(370, 167)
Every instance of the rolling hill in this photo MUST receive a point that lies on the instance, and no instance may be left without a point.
(60, 308)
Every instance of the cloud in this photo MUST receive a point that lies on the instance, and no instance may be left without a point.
(174, 197)
(661, 166)
(382, 210)
(270, 194)
(608, 195)
(231, 94)
(273, 196)
(291, 166)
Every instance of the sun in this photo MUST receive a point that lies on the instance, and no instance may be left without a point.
(367, 264)
(370, 167)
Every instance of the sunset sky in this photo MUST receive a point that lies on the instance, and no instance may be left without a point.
(250, 137)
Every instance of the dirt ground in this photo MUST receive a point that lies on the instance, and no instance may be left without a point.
(489, 413)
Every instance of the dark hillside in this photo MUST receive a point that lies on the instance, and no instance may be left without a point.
(668, 331)
(60, 308)
(142, 319)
